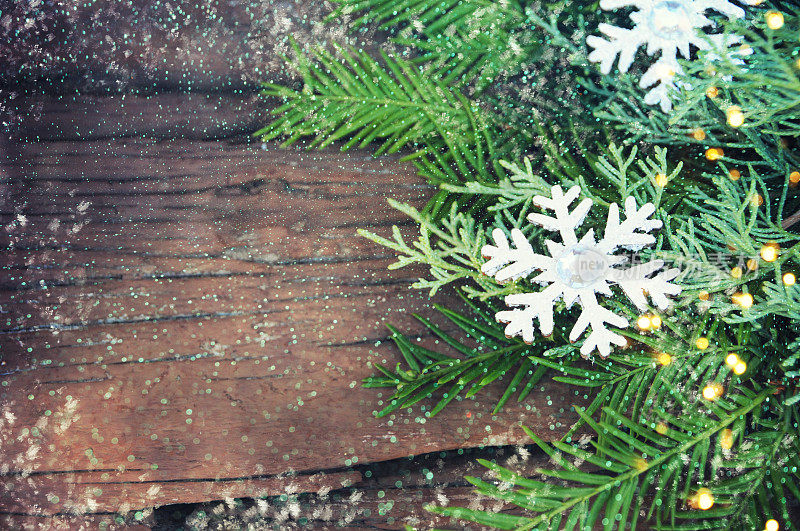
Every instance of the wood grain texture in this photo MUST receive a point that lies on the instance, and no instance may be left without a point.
(165, 115)
(392, 494)
(109, 46)
(187, 320)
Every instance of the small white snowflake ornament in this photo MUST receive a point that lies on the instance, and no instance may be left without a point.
(666, 26)
(579, 270)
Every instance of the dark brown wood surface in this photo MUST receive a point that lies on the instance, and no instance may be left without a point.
(187, 319)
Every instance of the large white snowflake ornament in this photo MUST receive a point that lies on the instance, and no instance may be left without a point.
(666, 26)
(579, 270)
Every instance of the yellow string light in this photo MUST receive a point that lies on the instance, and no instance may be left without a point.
(662, 428)
(644, 323)
(740, 368)
(712, 92)
(757, 200)
(714, 153)
(664, 359)
(712, 391)
(752, 264)
(661, 180)
(640, 463)
(735, 116)
(794, 177)
(769, 252)
(704, 499)
(726, 438)
(702, 343)
(771, 525)
(731, 360)
(704, 296)
(735, 174)
(699, 134)
(655, 320)
(789, 279)
(774, 20)
(745, 300)
(737, 272)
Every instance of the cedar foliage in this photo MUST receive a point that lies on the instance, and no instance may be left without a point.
(495, 101)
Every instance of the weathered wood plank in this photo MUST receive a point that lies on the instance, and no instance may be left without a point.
(109, 46)
(112, 492)
(392, 495)
(187, 333)
(86, 116)
(106, 522)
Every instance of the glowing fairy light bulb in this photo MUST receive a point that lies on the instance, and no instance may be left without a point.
(704, 499)
(699, 134)
(655, 321)
(740, 368)
(726, 439)
(731, 360)
(662, 428)
(769, 252)
(661, 180)
(664, 359)
(789, 279)
(712, 92)
(774, 19)
(735, 174)
(714, 153)
(771, 525)
(735, 116)
(702, 343)
(712, 391)
(752, 264)
(745, 300)
(644, 323)
(757, 200)
(794, 177)
(737, 272)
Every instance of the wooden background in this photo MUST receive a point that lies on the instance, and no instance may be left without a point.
(186, 316)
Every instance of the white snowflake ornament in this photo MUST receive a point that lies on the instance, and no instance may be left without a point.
(666, 26)
(579, 270)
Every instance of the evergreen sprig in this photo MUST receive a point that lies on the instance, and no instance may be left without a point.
(353, 97)
(706, 404)
(634, 465)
